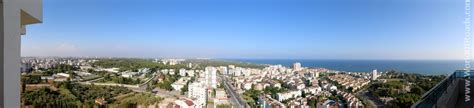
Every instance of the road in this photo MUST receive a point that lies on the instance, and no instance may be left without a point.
(235, 97)
(142, 87)
(95, 79)
(373, 101)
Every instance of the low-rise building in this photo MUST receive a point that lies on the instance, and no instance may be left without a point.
(288, 95)
(247, 86)
(182, 72)
(180, 83)
(128, 74)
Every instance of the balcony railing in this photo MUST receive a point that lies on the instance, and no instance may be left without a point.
(430, 98)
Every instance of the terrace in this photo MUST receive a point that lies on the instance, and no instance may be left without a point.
(450, 92)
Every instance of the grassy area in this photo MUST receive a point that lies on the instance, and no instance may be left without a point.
(224, 106)
(137, 99)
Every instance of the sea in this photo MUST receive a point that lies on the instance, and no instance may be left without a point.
(425, 67)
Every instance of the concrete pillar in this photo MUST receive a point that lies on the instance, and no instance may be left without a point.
(14, 15)
(10, 54)
(1, 56)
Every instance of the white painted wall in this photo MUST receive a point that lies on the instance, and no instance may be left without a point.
(11, 20)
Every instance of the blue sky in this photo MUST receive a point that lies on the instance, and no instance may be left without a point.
(285, 29)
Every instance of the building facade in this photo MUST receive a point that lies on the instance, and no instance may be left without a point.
(198, 92)
(211, 77)
(297, 66)
(374, 74)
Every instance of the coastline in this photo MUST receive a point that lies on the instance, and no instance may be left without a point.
(424, 67)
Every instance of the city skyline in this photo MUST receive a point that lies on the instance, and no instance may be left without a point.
(250, 29)
(236, 53)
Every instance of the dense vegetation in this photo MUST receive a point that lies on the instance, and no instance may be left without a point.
(45, 97)
(70, 95)
(31, 79)
(134, 64)
(166, 83)
(251, 96)
(88, 93)
(273, 91)
(61, 68)
(404, 88)
(203, 63)
(118, 79)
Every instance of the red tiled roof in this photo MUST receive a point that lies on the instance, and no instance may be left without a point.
(172, 105)
(189, 103)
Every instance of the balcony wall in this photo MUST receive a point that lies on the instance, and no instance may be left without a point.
(449, 92)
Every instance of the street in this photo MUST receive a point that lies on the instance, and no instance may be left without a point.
(372, 101)
(235, 98)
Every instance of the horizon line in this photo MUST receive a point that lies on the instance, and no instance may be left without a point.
(228, 58)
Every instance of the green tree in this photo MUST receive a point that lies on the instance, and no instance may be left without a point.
(185, 88)
(224, 106)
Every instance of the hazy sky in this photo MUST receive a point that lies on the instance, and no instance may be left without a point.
(294, 29)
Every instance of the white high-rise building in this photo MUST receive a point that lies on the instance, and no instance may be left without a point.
(190, 73)
(374, 74)
(297, 66)
(231, 66)
(237, 71)
(190, 65)
(223, 70)
(211, 77)
(198, 91)
(182, 72)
